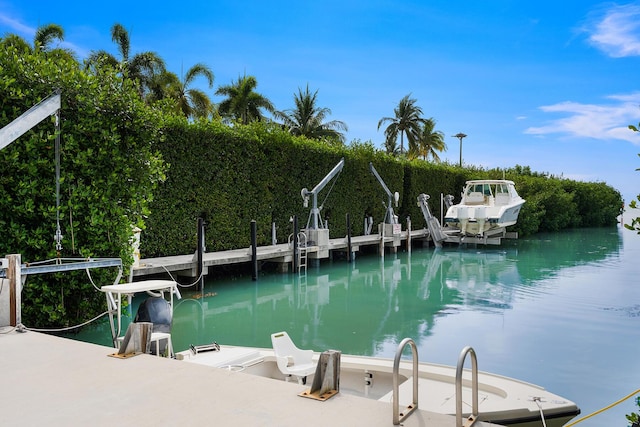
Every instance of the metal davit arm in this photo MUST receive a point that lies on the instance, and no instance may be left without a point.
(29, 119)
(315, 210)
(389, 217)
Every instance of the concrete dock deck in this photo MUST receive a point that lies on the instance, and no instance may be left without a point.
(280, 253)
(55, 381)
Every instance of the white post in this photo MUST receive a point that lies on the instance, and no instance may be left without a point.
(274, 239)
(408, 234)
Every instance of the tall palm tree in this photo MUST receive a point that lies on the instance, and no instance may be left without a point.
(42, 42)
(140, 67)
(242, 102)
(407, 121)
(429, 143)
(46, 34)
(191, 102)
(307, 118)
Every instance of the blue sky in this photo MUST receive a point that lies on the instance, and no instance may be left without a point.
(548, 85)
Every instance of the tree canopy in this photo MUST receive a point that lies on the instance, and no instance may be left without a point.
(429, 142)
(307, 119)
(109, 168)
(242, 102)
(140, 67)
(406, 121)
(191, 102)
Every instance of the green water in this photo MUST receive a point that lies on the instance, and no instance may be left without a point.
(560, 310)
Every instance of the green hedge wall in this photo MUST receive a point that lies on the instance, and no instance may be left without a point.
(109, 168)
(232, 175)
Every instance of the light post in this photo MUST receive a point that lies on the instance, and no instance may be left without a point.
(460, 135)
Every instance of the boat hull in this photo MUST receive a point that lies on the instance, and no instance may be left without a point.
(502, 400)
(486, 206)
(472, 223)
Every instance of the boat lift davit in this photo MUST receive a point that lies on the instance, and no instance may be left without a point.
(390, 226)
(11, 267)
(317, 231)
(389, 217)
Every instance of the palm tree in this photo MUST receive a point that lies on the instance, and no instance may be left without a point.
(42, 42)
(242, 102)
(307, 118)
(140, 67)
(429, 142)
(192, 103)
(46, 34)
(407, 122)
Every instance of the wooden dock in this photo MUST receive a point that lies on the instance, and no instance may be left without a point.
(187, 265)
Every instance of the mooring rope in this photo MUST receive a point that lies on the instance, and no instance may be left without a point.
(330, 189)
(603, 409)
(537, 400)
(69, 327)
(180, 284)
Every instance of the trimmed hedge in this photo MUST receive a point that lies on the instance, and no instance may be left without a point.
(232, 175)
(109, 168)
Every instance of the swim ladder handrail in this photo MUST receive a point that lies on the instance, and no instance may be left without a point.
(474, 387)
(397, 415)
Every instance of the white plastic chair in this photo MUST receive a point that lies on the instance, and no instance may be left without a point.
(290, 359)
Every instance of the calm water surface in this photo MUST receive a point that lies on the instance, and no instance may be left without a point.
(560, 310)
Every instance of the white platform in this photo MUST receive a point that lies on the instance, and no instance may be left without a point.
(60, 382)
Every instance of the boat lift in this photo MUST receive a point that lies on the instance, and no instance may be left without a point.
(29, 119)
(11, 267)
(390, 226)
(389, 217)
(440, 234)
(317, 232)
(315, 221)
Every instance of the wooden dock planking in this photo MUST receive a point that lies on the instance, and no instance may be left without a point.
(282, 253)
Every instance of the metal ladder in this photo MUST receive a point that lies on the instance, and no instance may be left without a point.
(398, 416)
(301, 250)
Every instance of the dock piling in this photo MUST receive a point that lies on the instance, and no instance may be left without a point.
(349, 253)
(295, 243)
(200, 254)
(408, 234)
(254, 250)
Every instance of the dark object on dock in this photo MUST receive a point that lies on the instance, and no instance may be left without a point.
(155, 310)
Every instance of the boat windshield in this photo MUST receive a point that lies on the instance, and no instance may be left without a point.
(484, 189)
(502, 188)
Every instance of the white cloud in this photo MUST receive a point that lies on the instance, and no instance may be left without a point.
(617, 33)
(28, 33)
(596, 121)
(17, 26)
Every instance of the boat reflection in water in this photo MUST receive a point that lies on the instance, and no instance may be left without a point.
(362, 310)
(369, 306)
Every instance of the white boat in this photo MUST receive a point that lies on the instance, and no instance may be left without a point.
(487, 205)
(500, 400)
